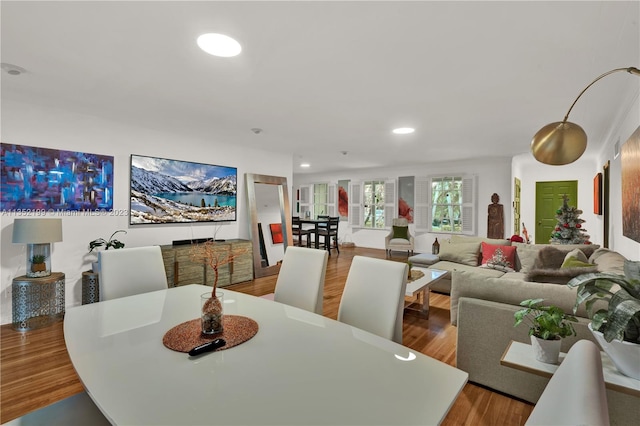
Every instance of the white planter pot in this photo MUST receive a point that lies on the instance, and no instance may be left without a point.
(625, 355)
(547, 351)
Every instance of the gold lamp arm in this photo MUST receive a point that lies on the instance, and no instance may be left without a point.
(630, 70)
(563, 142)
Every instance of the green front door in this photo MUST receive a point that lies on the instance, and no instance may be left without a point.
(548, 200)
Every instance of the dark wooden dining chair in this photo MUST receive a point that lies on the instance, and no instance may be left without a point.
(330, 233)
(298, 232)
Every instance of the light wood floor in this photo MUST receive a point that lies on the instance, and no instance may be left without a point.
(35, 369)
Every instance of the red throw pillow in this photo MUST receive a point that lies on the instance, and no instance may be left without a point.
(508, 254)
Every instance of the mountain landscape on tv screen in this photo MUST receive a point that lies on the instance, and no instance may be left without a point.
(170, 191)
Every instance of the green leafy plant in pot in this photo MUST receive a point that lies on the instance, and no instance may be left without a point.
(616, 324)
(107, 244)
(547, 326)
(38, 263)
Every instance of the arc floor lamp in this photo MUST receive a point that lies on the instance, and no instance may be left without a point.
(563, 142)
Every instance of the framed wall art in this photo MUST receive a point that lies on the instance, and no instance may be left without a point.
(276, 233)
(630, 171)
(175, 191)
(46, 179)
(597, 194)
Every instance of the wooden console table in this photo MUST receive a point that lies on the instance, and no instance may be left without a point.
(181, 269)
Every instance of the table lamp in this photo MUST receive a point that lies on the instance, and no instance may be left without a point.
(38, 234)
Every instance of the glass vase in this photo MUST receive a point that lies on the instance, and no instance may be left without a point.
(211, 313)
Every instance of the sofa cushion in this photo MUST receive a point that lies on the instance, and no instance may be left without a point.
(608, 261)
(456, 239)
(576, 254)
(401, 232)
(445, 265)
(512, 292)
(549, 257)
(498, 257)
(526, 255)
(556, 275)
(463, 253)
(574, 262)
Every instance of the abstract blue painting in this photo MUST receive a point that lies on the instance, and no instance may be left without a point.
(46, 179)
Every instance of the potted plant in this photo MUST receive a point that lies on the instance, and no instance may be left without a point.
(616, 324)
(107, 244)
(547, 326)
(38, 263)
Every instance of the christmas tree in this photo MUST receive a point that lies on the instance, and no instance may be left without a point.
(569, 228)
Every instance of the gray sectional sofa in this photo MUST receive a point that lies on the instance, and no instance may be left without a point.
(483, 302)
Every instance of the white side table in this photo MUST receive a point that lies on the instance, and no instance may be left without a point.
(520, 356)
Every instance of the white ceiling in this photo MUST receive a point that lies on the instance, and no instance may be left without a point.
(476, 79)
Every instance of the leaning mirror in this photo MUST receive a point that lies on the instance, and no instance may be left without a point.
(270, 221)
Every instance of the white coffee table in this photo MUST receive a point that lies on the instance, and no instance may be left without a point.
(421, 285)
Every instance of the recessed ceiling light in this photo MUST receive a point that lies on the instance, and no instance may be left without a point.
(403, 130)
(305, 165)
(219, 45)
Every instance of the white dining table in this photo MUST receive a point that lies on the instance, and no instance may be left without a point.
(299, 369)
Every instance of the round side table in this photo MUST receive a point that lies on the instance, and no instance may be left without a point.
(37, 302)
(90, 287)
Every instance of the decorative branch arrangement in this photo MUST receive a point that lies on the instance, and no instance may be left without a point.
(216, 255)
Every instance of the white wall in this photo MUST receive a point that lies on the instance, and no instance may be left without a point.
(494, 175)
(47, 127)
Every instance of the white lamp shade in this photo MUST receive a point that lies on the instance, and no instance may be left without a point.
(37, 231)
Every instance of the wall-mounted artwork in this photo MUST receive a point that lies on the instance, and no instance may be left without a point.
(174, 191)
(631, 187)
(406, 197)
(46, 179)
(597, 194)
(343, 199)
(276, 233)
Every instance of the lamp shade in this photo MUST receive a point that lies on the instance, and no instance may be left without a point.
(37, 231)
(559, 143)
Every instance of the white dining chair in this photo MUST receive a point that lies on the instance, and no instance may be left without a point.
(576, 393)
(373, 296)
(126, 272)
(300, 281)
(77, 410)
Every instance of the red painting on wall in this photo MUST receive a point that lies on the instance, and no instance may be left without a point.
(597, 194)
(276, 233)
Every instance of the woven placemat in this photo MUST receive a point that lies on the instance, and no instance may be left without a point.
(186, 336)
(415, 275)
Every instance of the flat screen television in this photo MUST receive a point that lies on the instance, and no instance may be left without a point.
(174, 191)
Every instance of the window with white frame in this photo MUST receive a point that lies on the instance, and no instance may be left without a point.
(373, 192)
(446, 204)
(320, 199)
(317, 199)
(372, 204)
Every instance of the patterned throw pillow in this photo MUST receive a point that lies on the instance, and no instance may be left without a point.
(501, 258)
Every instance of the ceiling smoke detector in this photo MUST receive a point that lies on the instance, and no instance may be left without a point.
(12, 69)
(256, 130)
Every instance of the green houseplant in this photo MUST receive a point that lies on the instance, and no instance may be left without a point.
(38, 263)
(110, 243)
(616, 324)
(547, 326)
(107, 244)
